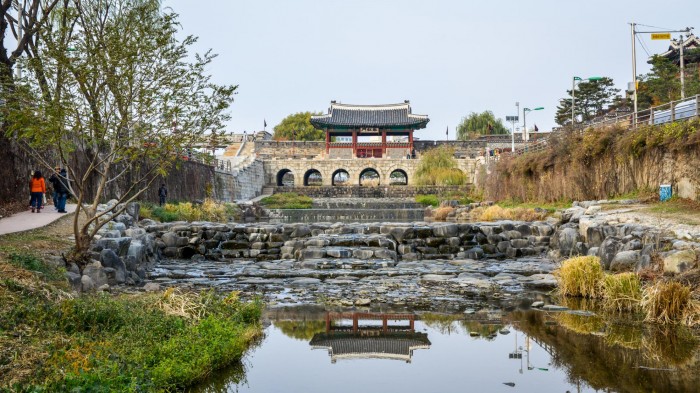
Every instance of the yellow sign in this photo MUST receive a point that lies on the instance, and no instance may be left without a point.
(660, 36)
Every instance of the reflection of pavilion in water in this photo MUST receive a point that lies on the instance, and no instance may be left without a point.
(366, 339)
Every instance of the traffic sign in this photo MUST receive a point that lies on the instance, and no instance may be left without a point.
(660, 36)
(511, 118)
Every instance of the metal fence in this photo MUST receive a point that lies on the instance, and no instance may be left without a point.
(669, 112)
(684, 109)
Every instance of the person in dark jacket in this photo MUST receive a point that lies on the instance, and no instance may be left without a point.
(53, 179)
(162, 194)
(62, 190)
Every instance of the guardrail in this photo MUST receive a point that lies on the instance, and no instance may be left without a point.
(685, 109)
(669, 112)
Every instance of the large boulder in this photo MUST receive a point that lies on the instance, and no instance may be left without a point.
(119, 245)
(680, 261)
(96, 273)
(109, 258)
(607, 251)
(566, 241)
(446, 230)
(625, 261)
(133, 209)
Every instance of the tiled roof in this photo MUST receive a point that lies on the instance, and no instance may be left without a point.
(673, 52)
(391, 115)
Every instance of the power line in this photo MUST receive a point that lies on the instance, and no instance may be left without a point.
(653, 27)
(643, 46)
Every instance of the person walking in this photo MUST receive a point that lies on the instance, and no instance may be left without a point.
(62, 190)
(162, 194)
(37, 187)
(53, 179)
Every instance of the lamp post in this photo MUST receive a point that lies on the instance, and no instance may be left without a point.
(525, 111)
(573, 94)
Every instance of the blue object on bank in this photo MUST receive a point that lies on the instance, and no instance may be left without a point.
(665, 192)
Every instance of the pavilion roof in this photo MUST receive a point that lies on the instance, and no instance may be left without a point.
(396, 345)
(375, 116)
(673, 52)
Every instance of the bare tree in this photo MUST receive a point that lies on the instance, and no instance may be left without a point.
(113, 88)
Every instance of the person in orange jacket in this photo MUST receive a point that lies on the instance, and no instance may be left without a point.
(37, 187)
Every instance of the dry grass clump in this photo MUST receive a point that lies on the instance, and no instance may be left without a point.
(666, 302)
(495, 212)
(580, 276)
(441, 213)
(184, 304)
(622, 292)
(582, 324)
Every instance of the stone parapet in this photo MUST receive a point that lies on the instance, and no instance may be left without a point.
(372, 192)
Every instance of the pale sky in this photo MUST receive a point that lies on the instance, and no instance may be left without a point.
(448, 57)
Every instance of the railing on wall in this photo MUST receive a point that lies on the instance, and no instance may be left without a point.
(684, 109)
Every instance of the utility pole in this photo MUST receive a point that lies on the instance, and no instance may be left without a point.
(682, 70)
(687, 30)
(634, 75)
(20, 11)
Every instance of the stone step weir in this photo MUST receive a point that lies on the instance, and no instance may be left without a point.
(345, 215)
(358, 241)
(366, 203)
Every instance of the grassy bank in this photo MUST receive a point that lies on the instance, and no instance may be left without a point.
(287, 200)
(209, 210)
(600, 163)
(52, 340)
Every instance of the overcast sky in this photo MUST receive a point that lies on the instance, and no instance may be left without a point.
(448, 57)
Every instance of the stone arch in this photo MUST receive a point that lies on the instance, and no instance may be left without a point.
(370, 177)
(313, 177)
(398, 176)
(340, 177)
(285, 177)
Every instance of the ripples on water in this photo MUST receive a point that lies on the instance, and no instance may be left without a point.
(526, 351)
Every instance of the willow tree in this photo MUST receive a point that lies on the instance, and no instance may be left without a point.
(438, 167)
(113, 88)
(478, 124)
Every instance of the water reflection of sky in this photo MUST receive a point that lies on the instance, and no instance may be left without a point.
(455, 362)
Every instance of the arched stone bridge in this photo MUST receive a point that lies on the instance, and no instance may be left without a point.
(329, 172)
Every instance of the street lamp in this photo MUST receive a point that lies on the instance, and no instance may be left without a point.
(573, 93)
(525, 111)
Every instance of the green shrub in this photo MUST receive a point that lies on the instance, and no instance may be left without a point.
(287, 200)
(428, 200)
(438, 167)
(33, 263)
(209, 210)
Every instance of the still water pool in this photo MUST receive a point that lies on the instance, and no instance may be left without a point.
(522, 351)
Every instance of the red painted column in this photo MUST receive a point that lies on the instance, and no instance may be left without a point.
(410, 140)
(354, 143)
(384, 143)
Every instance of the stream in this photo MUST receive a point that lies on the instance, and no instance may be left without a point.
(488, 351)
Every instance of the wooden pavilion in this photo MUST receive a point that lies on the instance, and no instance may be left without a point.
(369, 131)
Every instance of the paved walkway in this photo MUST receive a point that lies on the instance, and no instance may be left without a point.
(26, 220)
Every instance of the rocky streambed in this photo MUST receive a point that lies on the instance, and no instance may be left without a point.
(447, 266)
